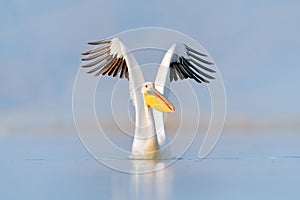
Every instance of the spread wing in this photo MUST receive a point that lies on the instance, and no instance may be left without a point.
(106, 59)
(183, 62)
(111, 58)
(187, 63)
(179, 62)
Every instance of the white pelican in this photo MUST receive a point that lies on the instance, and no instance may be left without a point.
(111, 58)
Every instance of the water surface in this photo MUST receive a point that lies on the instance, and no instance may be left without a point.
(242, 166)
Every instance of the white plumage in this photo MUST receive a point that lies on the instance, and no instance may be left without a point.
(180, 62)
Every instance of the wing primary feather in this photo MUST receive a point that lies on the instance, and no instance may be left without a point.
(107, 65)
(190, 73)
(175, 74)
(95, 50)
(94, 62)
(118, 68)
(123, 71)
(181, 69)
(180, 73)
(98, 67)
(110, 66)
(176, 71)
(192, 69)
(187, 63)
(99, 42)
(115, 67)
(194, 51)
(171, 72)
(199, 59)
(103, 59)
(202, 73)
(202, 66)
(126, 72)
(95, 55)
(193, 74)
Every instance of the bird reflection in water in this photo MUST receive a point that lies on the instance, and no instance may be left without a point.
(156, 184)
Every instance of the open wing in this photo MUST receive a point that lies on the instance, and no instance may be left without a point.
(179, 62)
(111, 58)
(186, 63)
(106, 59)
(183, 62)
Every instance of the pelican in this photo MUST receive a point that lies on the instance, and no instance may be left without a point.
(111, 58)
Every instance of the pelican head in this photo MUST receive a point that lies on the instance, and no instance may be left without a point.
(155, 100)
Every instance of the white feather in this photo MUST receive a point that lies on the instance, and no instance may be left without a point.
(143, 122)
(117, 48)
(144, 127)
(162, 84)
(136, 79)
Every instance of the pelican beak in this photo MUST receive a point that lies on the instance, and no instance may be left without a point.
(157, 101)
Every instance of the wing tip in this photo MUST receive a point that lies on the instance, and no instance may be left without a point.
(188, 48)
(85, 53)
(105, 41)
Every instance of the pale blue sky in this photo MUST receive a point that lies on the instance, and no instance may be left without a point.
(255, 45)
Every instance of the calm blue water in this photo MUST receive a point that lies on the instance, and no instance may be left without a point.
(242, 166)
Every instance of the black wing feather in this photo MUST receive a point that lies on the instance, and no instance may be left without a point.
(103, 62)
(194, 67)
